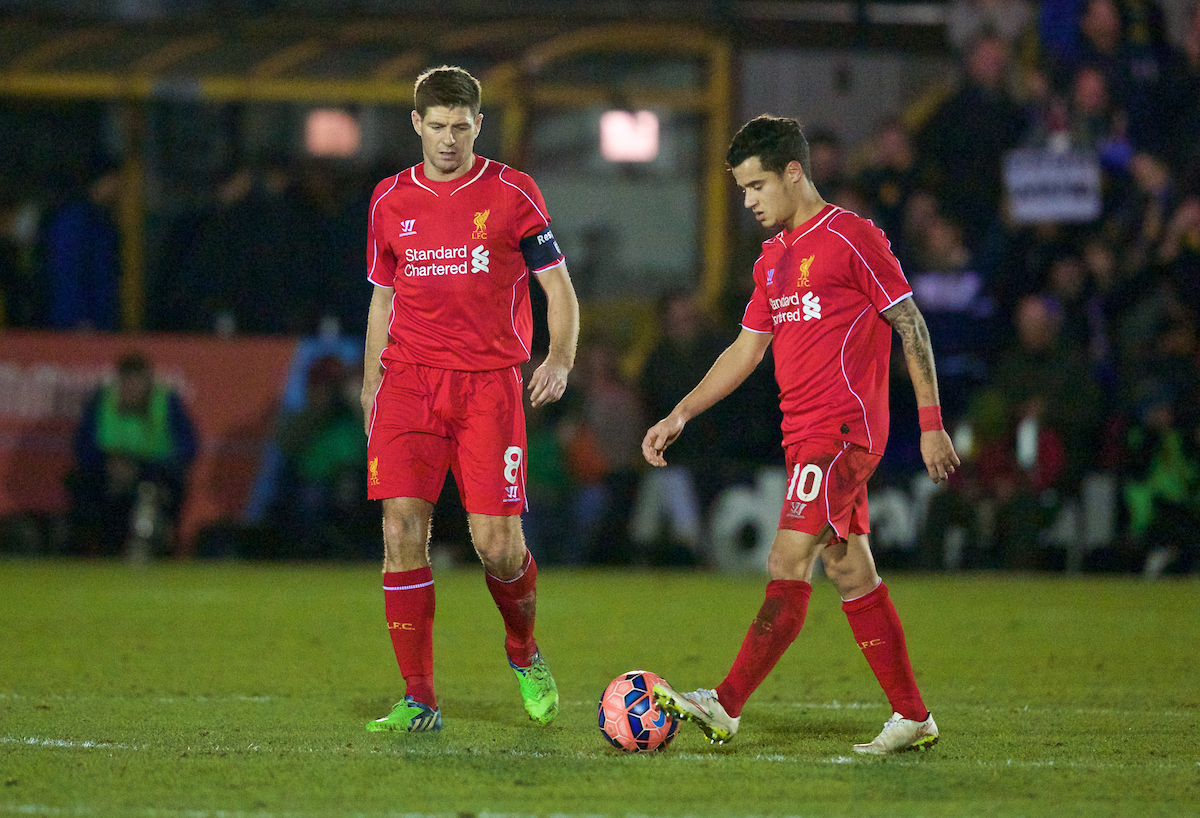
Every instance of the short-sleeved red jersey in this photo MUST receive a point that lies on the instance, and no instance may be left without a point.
(820, 289)
(452, 252)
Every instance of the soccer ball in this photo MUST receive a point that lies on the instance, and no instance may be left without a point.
(630, 718)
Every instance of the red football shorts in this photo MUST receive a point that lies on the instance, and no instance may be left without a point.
(426, 420)
(827, 483)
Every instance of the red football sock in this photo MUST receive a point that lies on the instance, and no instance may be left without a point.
(517, 600)
(408, 601)
(777, 625)
(876, 626)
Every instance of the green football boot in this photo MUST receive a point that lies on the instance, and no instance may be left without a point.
(409, 716)
(538, 689)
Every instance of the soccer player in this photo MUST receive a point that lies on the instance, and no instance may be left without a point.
(450, 246)
(828, 292)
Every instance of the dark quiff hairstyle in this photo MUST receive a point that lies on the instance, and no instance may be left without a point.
(448, 86)
(775, 140)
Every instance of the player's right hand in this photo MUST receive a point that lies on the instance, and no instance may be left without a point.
(659, 437)
(367, 399)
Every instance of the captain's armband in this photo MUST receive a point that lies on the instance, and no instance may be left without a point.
(541, 250)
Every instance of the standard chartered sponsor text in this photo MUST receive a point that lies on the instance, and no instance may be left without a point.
(445, 261)
(811, 308)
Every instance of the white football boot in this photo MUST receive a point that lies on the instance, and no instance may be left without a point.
(702, 708)
(900, 734)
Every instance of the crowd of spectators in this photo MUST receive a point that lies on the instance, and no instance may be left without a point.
(1065, 348)
(233, 264)
(263, 248)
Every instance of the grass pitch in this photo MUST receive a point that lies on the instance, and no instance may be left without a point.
(242, 691)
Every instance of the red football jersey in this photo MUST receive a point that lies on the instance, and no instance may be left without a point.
(819, 289)
(452, 252)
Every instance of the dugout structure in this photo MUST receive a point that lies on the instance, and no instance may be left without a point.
(532, 72)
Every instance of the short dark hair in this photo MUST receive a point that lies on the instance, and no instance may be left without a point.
(775, 140)
(448, 86)
(133, 364)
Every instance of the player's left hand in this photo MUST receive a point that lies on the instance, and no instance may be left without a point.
(659, 437)
(548, 383)
(938, 453)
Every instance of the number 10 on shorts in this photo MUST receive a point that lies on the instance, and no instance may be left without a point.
(805, 483)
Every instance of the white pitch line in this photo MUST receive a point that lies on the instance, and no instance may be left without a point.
(1000, 709)
(73, 745)
(1041, 709)
(431, 752)
(158, 812)
(161, 700)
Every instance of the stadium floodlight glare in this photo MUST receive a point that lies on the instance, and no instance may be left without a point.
(627, 136)
(332, 132)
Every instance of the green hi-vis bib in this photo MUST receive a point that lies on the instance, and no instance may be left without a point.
(145, 437)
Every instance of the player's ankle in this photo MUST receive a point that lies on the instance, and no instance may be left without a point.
(729, 702)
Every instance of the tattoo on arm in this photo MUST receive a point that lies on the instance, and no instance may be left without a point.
(908, 322)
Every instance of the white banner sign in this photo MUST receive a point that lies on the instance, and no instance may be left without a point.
(1045, 187)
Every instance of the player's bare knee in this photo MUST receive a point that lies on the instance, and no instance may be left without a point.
(839, 575)
(499, 544)
(793, 554)
(502, 557)
(405, 538)
(850, 566)
(403, 527)
(851, 579)
(777, 566)
(789, 564)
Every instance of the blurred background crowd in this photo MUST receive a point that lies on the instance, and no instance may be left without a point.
(1068, 346)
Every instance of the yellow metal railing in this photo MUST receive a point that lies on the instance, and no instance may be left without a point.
(522, 77)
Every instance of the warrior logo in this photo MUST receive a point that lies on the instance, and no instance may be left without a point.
(408, 227)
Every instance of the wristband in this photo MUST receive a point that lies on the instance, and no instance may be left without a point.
(930, 418)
